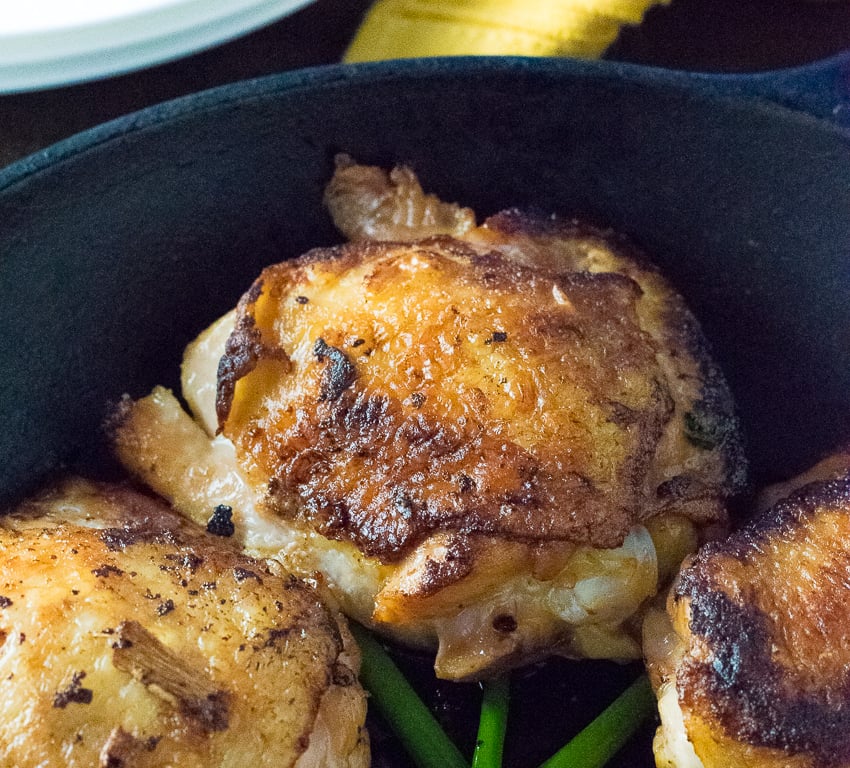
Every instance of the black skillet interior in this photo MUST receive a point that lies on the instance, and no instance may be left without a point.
(118, 246)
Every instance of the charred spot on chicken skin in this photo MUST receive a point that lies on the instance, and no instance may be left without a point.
(371, 464)
(758, 671)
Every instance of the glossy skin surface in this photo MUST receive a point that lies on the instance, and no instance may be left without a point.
(755, 674)
(405, 390)
(521, 379)
(133, 638)
(471, 432)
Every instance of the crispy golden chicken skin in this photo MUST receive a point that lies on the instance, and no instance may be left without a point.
(480, 435)
(754, 670)
(132, 638)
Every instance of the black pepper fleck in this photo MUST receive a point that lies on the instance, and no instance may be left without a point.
(240, 574)
(5, 602)
(165, 607)
(74, 693)
(221, 522)
(107, 570)
(301, 300)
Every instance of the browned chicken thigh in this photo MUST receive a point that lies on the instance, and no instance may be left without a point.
(132, 638)
(496, 440)
(752, 666)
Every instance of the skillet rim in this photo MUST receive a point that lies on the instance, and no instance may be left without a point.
(726, 91)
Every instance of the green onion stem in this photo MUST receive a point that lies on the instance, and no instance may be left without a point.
(491, 726)
(602, 739)
(415, 726)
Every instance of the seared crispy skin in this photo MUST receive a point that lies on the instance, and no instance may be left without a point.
(402, 389)
(426, 387)
(497, 439)
(132, 638)
(761, 668)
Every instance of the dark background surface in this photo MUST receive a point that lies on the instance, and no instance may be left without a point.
(701, 35)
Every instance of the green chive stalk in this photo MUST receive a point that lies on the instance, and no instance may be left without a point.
(608, 733)
(492, 724)
(414, 725)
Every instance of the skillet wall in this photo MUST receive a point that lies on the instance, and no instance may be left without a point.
(116, 247)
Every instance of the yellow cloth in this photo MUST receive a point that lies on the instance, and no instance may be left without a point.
(413, 28)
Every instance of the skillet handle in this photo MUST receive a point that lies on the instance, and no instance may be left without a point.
(821, 89)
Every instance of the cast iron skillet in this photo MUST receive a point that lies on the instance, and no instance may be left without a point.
(119, 245)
